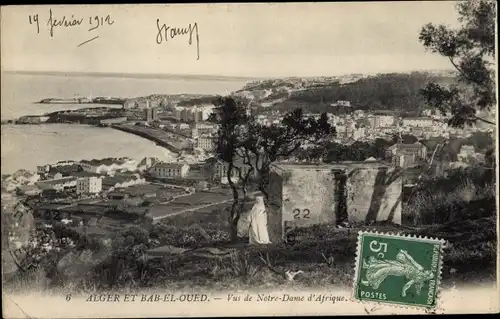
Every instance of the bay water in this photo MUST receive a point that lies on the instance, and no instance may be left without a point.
(26, 146)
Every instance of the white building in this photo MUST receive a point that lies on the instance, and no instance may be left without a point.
(358, 133)
(194, 132)
(418, 121)
(89, 185)
(170, 170)
(205, 128)
(44, 169)
(205, 142)
(220, 171)
(386, 120)
(193, 114)
(342, 103)
(57, 184)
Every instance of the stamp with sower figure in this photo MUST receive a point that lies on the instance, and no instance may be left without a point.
(397, 269)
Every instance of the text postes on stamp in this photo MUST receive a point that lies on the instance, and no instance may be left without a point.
(396, 269)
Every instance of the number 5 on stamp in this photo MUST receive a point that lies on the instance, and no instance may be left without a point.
(396, 269)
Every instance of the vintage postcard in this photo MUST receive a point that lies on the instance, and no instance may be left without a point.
(249, 159)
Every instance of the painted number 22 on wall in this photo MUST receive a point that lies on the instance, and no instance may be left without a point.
(299, 214)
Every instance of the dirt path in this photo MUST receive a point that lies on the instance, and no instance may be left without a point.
(193, 209)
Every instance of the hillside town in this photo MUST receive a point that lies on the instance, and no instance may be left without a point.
(330, 155)
(81, 192)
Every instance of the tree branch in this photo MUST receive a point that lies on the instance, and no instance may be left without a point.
(459, 69)
(483, 120)
(463, 73)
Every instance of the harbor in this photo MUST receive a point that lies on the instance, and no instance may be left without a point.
(83, 100)
(170, 141)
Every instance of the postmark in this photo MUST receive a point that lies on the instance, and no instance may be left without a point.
(398, 269)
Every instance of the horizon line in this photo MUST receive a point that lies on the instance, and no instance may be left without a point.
(202, 76)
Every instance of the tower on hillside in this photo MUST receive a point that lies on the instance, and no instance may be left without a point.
(151, 114)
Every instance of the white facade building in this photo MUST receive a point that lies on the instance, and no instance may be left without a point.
(89, 185)
(57, 184)
(418, 121)
(386, 120)
(205, 143)
(170, 170)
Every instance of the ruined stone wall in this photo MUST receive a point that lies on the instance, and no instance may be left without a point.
(305, 195)
(274, 215)
(301, 197)
(374, 194)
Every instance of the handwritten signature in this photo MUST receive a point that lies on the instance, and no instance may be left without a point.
(167, 32)
(93, 22)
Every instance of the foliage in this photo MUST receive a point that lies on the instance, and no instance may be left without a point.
(197, 101)
(358, 151)
(130, 236)
(192, 236)
(463, 194)
(482, 142)
(242, 266)
(471, 247)
(266, 85)
(392, 92)
(470, 50)
(249, 148)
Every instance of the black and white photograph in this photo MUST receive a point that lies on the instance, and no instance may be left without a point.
(166, 160)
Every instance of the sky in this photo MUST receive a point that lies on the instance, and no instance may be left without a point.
(248, 40)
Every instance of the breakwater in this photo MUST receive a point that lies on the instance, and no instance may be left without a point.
(159, 137)
(83, 100)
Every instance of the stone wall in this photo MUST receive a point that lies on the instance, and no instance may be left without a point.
(303, 195)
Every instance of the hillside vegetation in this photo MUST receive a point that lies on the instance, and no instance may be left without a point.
(394, 92)
(398, 92)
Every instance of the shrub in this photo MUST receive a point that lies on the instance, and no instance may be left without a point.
(241, 265)
(465, 201)
(192, 236)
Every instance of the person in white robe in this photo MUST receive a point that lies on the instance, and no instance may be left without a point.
(255, 223)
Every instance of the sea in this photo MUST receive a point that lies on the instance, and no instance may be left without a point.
(26, 146)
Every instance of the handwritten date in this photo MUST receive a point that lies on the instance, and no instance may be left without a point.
(54, 22)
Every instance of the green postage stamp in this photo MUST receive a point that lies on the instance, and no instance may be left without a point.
(397, 269)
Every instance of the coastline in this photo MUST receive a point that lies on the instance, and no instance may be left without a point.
(148, 136)
(27, 146)
(157, 140)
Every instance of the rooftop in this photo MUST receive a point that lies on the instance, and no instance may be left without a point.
(56, 181)
(105, 161)
(169, 165)
(121, 178)
(25, 188)
(85, 174)
(407, 146)
(65, 169)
